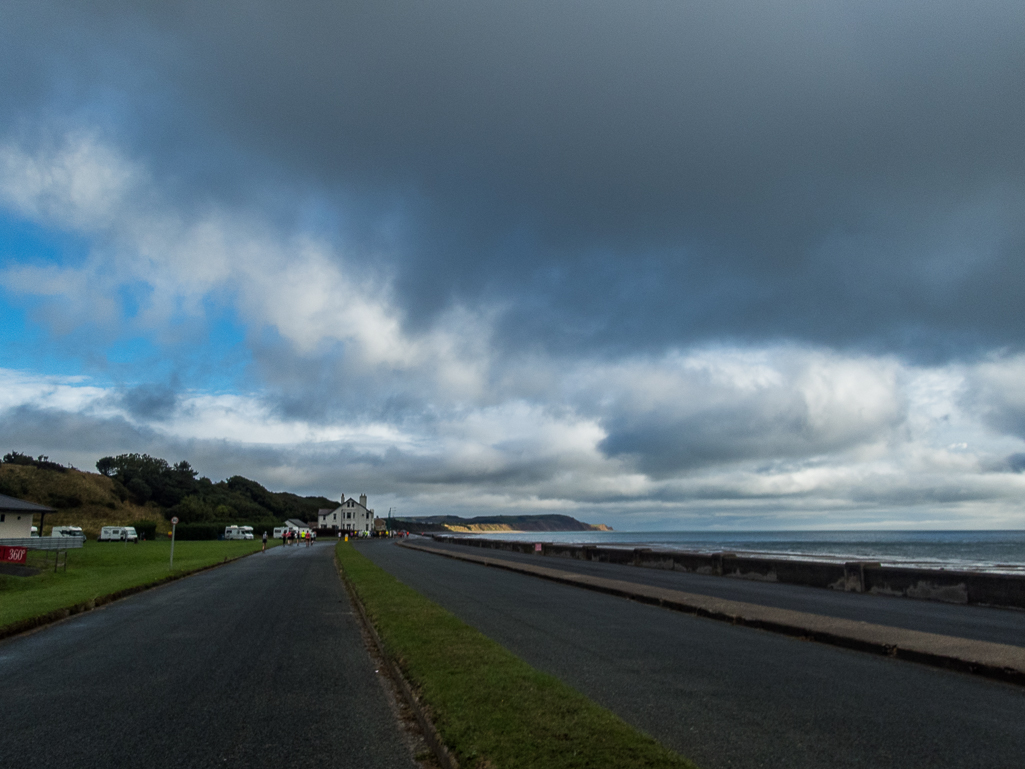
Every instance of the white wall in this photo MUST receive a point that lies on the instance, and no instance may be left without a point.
(15, 525)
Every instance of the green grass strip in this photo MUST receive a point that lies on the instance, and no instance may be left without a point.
(103, 568)
(491, 708)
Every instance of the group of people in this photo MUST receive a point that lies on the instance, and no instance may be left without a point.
(302, 537)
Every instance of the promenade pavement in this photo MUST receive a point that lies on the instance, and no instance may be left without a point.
(1001, 661)
(980, 623)
(724, 695)
(259, 663)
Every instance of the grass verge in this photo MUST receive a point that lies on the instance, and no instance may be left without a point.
(491, 708)
(103, 570)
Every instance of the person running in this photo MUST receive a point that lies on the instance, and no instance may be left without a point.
(264, 542)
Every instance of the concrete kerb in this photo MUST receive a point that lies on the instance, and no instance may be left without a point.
(32, 624)
(990, 660)
(431, 736)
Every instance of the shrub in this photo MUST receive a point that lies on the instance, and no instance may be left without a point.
(194, 531)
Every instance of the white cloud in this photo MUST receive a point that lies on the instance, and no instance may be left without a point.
(715, 433)
(301, 287)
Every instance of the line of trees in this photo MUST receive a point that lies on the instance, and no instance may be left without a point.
(179, 491)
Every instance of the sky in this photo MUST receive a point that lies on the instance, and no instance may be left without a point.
(659, 265)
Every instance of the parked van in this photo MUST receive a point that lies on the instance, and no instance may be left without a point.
(279, 530)
(238, 532)
(118, 534)
(67, 531)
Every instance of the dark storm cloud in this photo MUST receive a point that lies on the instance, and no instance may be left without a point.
(613, 174)
(157, 402)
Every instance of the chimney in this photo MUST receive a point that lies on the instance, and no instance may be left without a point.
(363, 499)
(343, 499)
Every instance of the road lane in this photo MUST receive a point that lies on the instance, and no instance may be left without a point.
(728, 696)
(981, 623)
(259, 663)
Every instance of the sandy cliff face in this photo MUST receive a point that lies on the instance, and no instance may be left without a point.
(515, 523)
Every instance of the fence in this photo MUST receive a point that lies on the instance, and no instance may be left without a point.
(44, 543)
(56, 545)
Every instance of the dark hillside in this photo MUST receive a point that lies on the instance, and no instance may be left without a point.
(138, 487)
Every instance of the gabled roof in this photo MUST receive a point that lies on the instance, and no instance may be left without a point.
(351, 503)
(298, 523)
(11, 504)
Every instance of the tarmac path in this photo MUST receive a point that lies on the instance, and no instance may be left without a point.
(259, 663)
(981, 623)
(723, 695)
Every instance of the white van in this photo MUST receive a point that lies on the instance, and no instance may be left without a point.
(238, 532)
(118, 534)
(279, 530)
(67, 531)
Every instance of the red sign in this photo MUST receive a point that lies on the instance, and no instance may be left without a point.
(13, 554)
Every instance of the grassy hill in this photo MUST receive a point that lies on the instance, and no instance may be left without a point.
(135, 488)
(89, 500)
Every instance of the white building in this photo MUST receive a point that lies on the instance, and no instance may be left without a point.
(297, 526)
(350, 517)
(16, 517)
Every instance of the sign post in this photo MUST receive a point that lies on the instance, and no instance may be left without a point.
(174, 526)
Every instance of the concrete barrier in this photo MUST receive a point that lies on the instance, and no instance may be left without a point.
(964, 587)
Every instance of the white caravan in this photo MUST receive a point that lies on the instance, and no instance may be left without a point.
(67, 531)
(238, 532)
(118, 534)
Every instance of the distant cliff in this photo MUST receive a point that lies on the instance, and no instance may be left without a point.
(497, 523)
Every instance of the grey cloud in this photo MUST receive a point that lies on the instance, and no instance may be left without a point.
(666, 445)
(617, 175)
(1016, 463)
(157, 402)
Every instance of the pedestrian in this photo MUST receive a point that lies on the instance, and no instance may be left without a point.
(264, 542)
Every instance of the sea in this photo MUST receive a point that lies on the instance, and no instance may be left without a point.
(991, 551)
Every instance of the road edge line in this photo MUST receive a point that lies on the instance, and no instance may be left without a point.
(431, 736)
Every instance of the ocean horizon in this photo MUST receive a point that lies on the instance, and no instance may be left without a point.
(974, 550)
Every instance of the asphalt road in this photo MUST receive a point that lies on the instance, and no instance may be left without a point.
(1004, 626)
(259, 663)
(728, 696)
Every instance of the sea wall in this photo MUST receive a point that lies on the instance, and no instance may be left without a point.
(964, 587)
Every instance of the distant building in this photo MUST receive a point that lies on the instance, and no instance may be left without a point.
(350, 517)
(16, 517)
(294, 524)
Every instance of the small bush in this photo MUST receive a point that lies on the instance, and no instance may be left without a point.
(197, 531)
(43, 462)
(140, 490)
(65, 501)
(120, 491)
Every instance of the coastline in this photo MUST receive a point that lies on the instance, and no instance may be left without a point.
(987, 551)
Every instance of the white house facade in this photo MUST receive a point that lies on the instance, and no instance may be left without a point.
(350, 517)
